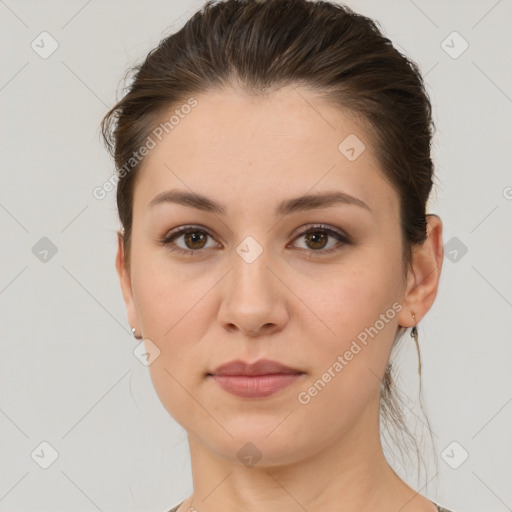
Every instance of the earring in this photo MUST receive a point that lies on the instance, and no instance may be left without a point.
(414, 334)
(134, 335)
(414, 330)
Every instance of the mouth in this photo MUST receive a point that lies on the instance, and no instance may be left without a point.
(255, 386)
(257, 380)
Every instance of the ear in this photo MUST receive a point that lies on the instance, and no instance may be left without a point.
(423, 276)
(126, 284)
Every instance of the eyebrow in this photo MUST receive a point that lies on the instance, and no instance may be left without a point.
(302, 203)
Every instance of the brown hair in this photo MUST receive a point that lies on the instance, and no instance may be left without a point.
(263, 45)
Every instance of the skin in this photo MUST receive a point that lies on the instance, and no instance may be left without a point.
(292, 304)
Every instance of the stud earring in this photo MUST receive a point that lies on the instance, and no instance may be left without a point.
(134, 335)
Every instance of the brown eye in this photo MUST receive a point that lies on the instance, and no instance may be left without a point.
(194, 240)
(316, 240)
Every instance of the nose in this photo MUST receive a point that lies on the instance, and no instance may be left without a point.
(254, 298)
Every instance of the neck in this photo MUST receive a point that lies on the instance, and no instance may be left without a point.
(349, 474)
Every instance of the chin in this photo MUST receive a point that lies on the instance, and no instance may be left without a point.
(269, 442)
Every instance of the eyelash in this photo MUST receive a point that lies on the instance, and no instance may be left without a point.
(319, 228)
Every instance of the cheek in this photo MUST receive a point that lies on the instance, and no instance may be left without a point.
(348, 362)
(175, 304)
(351, 298)
(167, 295)
(357, 306)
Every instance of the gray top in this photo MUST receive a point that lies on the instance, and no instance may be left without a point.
(439, 508)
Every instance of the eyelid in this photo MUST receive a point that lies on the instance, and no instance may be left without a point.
(321, 227)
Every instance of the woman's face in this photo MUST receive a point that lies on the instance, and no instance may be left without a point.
(255, 286)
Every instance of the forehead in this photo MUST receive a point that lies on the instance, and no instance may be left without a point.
(237, 146)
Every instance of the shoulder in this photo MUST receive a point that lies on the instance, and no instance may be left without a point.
(174, 509)
(439, 508)
(442, 509)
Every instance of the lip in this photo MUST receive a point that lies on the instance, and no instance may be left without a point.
(261, 367)
(255, 380)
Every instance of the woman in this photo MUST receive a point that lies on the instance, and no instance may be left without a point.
(274, 169)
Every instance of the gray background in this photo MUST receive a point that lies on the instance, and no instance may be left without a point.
(68, 374)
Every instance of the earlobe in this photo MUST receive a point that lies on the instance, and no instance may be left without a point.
(424, 274)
